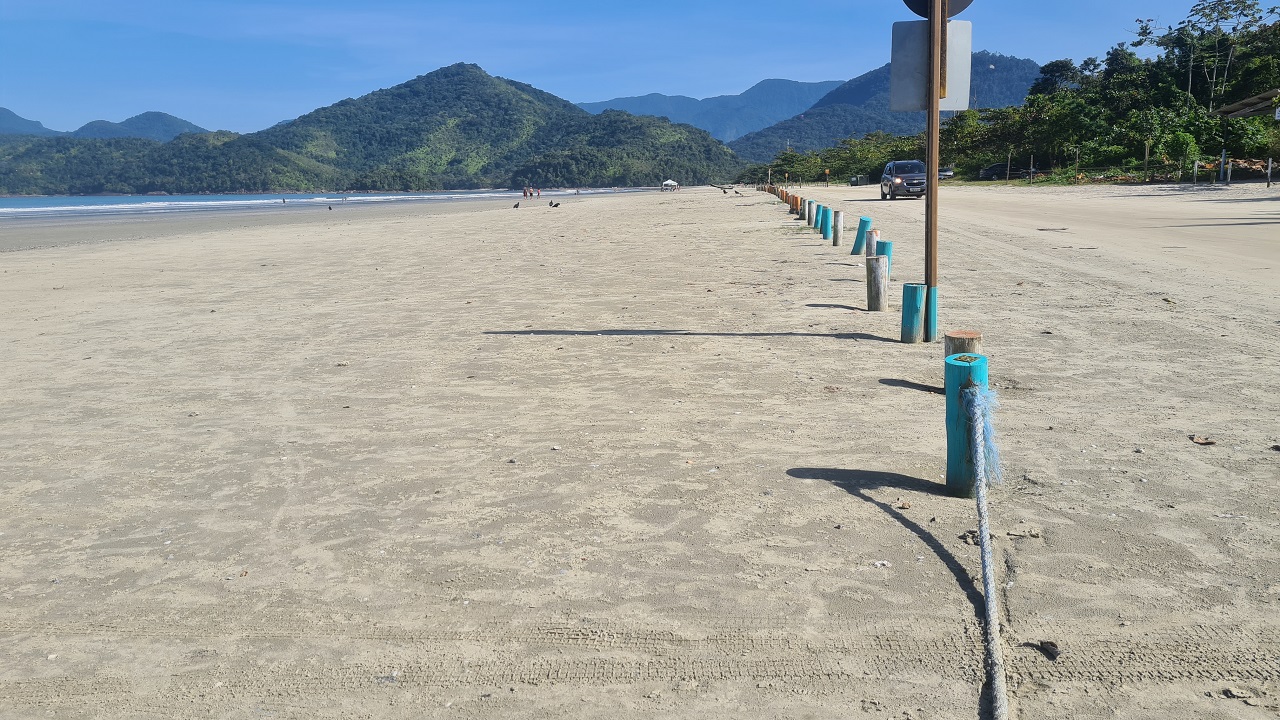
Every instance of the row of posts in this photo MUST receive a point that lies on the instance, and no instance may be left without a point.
(965, 366)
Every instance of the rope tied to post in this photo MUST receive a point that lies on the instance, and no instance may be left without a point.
(978, 404)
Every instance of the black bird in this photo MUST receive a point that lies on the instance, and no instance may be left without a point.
(551, 204)
(556, 205)
(735, 192)
(726, 192)
(513, 207)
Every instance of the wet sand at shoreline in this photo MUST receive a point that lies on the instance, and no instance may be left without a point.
(641, 455)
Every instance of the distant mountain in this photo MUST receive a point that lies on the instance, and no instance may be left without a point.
(148, 126)
(457, 127)
(861, 106)
(726, 117)
(11, 124)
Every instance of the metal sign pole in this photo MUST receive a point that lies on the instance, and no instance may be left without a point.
(937, 26)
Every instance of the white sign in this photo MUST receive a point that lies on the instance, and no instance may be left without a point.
(1278, 112)
(909, 69)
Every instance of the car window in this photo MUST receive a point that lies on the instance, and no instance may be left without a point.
(905, 168)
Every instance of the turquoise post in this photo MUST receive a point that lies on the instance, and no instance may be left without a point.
(826, 223)
(859, 241)
(885, 248)
(818, 212)
(913, 312)
(962, 371)
(931, 316)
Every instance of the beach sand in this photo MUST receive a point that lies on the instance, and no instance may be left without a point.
(638, 456)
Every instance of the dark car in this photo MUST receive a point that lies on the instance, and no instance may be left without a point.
(903, 177)
(1002, 171)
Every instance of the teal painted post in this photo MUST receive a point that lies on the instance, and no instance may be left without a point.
(859, 241)
(818, 212)
(913, 312)
(931, 316)
(885, 248)
(827, 223)
(962, 371)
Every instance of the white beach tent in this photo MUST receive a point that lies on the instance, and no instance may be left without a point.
(670, 185)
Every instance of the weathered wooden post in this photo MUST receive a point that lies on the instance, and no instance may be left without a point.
(962, 371)
(807, 211)
(962, 342)
(885, 248)
(877, 283)
(837, 229)
(873, 237)
(860, 240)
(913, 312)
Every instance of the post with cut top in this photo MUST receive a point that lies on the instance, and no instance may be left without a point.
(885, 248)
(877, 283)
(819, 212)
(962, 342)
(962, 371)
(873, 237)
(806, 211)
(913, 312)
(837, 228)
(828, 219)
(860, 240)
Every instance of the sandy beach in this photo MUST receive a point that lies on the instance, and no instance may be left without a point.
(639, 456)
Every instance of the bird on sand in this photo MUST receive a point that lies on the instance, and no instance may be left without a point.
(551, 204)
(513, 207)
(556, 205)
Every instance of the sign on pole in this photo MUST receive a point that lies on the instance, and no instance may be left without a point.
(921, 7)
(909, 70)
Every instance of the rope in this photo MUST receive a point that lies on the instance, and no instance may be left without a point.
(986, 467)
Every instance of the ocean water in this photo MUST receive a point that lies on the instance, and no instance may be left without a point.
(92, 206)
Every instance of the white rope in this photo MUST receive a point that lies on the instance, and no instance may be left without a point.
(979, 408)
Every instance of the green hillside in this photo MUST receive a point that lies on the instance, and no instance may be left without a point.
(457, 127)
(861, 106)
(149, 126)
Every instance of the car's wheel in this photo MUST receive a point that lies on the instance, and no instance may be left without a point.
(893, 195)
(883, 196)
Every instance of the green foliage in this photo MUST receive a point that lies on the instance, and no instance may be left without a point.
(457, 127)
(1108, 112)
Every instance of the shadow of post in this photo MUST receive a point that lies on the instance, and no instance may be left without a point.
(857, 482)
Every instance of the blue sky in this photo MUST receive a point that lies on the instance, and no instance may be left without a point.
(244, 65)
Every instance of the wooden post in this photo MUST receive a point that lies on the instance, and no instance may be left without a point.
(933, 122)
(913, 295)
(1195, 172)
(837, 228)
(1268, 172)
(860, 240)
(806, 211)
(1230, 167)
(877, 283)
(962, 371)
(885, 248)
(962, 342)
(873, 237)
(1146, 163)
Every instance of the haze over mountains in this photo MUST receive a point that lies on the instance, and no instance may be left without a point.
(459, 127)
(158, 126)
(727, 117)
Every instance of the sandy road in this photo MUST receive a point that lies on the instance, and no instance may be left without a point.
(642, 456)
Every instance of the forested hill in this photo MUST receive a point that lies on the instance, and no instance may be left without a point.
(861, 106)
(457, 127)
